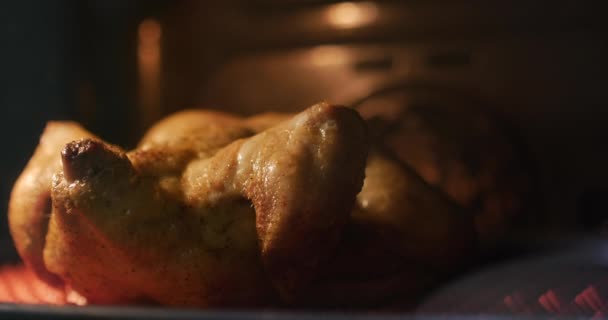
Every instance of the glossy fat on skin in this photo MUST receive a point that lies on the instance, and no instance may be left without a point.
(30, 201)
(114, 229)
(423, 236)
(169, 145)
(434, 230)
(302, 177)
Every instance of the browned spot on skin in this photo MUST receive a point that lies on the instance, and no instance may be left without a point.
(78, 158)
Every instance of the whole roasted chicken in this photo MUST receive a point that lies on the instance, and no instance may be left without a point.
(216, 210)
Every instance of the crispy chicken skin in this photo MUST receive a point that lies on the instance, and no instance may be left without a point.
(214, 210)
(402, 237)
(433, 229)
(30, 201)
(116, 224)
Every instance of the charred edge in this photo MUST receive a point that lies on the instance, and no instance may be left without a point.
(78, 157)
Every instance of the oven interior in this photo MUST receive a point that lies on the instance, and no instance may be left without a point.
(536, 69)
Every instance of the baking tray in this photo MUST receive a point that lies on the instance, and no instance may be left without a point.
(12, 311)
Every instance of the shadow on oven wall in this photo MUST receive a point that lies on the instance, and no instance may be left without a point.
(542, 65)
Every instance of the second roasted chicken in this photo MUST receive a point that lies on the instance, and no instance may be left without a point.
(216, 210)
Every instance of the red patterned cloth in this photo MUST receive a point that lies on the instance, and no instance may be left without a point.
(18, 284)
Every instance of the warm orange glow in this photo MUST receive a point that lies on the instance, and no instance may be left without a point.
(351, 14)
(149, 59)
(323, 56)
(19, 284)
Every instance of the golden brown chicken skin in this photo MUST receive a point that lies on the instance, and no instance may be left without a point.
(216, 210)
(403, 237)
(30, 202)
(258, 217)
(433, 228)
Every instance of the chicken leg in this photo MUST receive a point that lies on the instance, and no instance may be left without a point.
(114, 229)
(30, 201)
